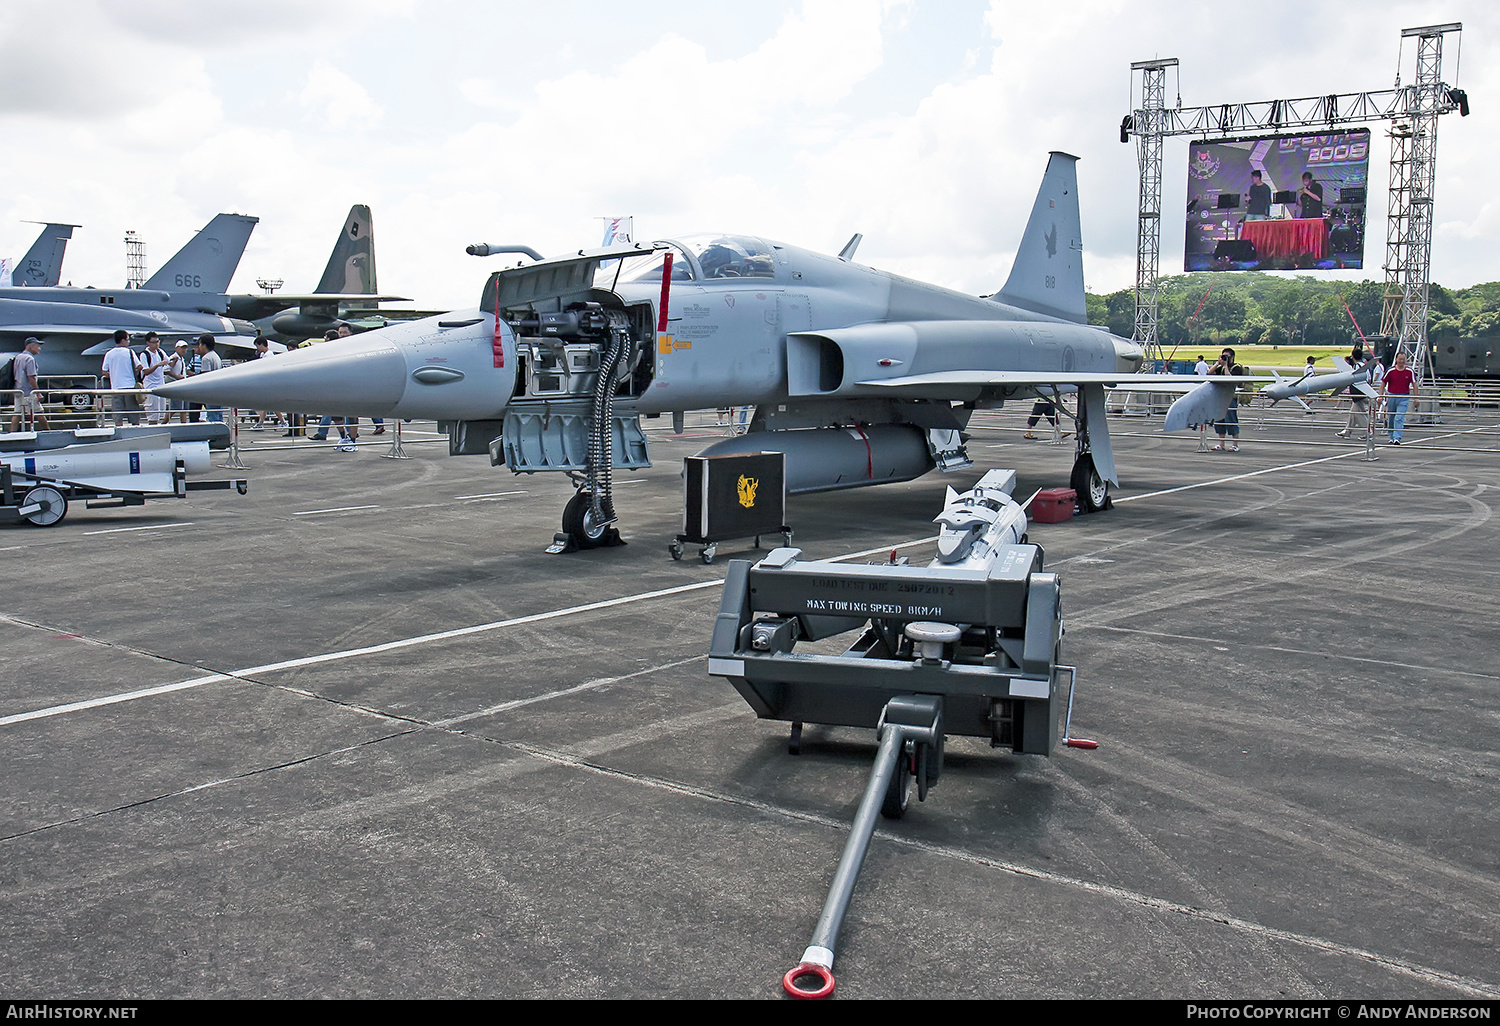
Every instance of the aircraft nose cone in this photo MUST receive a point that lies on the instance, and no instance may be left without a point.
(362, 375)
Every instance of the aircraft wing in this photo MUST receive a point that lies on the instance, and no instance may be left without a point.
(333, 297)
(60, 332)
(927, 383)
(1201, 399)
(48, 331)
(246, 342)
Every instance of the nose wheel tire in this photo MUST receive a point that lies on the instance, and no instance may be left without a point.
(579, 523)
(54, 505)
(1093, 490)
(578, 520)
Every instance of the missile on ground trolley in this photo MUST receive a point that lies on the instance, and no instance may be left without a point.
(38, 483)
(966, 645)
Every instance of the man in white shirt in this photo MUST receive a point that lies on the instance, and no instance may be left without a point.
(1202, 368)
(177, 370)
(153, 375)
(119, 372)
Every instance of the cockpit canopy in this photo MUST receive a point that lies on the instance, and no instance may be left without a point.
(697, 258)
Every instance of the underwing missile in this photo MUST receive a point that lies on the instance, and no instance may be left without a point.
(1349, 375)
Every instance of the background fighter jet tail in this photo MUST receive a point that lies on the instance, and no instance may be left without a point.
(1047, 277)
(351, 266)
(208, 261)
(42, 264)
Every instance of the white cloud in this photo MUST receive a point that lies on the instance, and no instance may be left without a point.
(335, 99)
(926, 127)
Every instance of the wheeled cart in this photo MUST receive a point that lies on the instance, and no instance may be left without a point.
(738, 495)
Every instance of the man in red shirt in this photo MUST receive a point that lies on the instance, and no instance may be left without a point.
(1396, 388)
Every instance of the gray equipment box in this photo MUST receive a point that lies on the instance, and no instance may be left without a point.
(998, 680)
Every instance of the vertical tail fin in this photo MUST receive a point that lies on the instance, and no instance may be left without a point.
(42, 264)
(208, 261)
(1047, 277)
(351, 266)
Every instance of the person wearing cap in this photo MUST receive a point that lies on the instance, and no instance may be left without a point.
(119, 369)
(177, 370)
(153, 375)
(28, 400)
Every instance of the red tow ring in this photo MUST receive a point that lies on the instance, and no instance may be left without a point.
(796, 982)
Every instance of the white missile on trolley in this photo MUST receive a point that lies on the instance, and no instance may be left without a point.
(976, 524)
(38, 481)
(144, 464)
(1346, 376)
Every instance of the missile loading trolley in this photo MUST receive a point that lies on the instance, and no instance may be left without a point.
(966, 645)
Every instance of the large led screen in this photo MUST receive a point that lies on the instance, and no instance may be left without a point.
(1283, 203)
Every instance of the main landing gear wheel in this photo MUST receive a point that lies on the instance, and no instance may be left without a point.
(1093, 490)
(54, 505)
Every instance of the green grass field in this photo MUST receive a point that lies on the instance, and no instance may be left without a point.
(1258, 358)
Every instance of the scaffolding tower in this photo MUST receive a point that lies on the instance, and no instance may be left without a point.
(1413, 111)
(135, 260)
(1408, 231)
(1151, 128)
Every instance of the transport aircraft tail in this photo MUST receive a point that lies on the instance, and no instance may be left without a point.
(207, 263)
(1047, 277)
(351, 266)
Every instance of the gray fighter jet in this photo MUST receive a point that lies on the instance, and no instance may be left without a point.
(42, 265)
(348, 285)
(859, 376)
(184, 299)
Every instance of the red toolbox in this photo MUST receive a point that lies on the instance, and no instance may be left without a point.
(1053, 505)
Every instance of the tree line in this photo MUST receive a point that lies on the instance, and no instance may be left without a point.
(1255, 308)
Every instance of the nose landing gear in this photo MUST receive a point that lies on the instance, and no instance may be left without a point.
(582, 527)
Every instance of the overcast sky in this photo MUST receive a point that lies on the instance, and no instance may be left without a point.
(924, 124)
